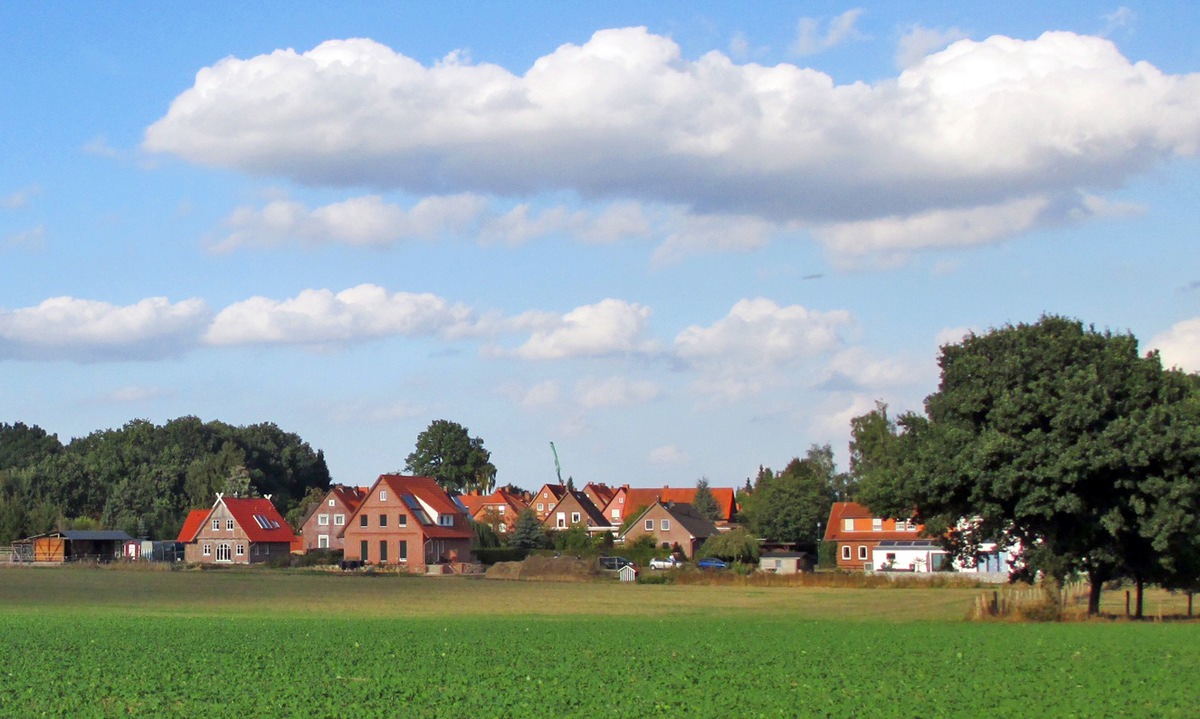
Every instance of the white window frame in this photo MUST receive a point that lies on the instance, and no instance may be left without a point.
(848, 524)
(383, 495)
(664, 525)
(560, 520)
(229, 525)
(332, 503)
(322, 541)
(339, 520)
(216, 525)
(862, 552)
(649, 525)
(502, 528)
(207, 550)
(500, 510)
(616, 514)
(576, 518)
(876, 524)
(846, 552)
(241, 550)
(322, 520)
(541, 507)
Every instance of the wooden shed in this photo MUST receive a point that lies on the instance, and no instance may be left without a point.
(73, 546)
(785, 562)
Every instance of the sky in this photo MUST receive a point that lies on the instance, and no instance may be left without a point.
(677, 239)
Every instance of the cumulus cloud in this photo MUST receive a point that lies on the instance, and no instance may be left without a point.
(917, 42)
(993, 127)
(88, 330)
(1179, 346)
(811, 39)
(855, 370)
(668, 455)
(615, 392)
(692, 234)
(609, 327)
(322, 317)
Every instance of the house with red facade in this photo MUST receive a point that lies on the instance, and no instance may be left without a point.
(576, 509)
(858, 534)
(411, 523)
(321, 528)
(546, 499)
(498, 510)
(236, 531)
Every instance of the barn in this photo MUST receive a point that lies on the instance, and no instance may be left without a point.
(72, 545)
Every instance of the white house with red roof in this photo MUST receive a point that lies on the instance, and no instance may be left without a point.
(321, 528)
(409, 522)
(236, 531)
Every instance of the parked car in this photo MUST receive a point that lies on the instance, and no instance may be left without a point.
(664, 563)
(614, 564)
(712, 563)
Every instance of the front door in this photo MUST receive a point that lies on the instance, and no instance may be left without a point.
(224, 554)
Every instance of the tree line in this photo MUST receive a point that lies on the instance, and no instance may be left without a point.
(144, 478)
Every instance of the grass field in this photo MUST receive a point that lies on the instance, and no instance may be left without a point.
(102, 643)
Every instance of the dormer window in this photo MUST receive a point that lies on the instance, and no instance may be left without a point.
(446, 520)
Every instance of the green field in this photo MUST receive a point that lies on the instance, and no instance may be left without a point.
(97, 643)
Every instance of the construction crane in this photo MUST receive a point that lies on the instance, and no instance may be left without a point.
(557, 467)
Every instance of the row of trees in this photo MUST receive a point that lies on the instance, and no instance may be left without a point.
(143, 478)
(1055, 437)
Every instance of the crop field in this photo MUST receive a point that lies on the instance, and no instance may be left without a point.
(79, 643)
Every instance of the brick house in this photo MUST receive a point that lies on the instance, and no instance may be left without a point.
(408, 522)
(546, 499)
(857, 533)
(321, 528)
(671, 523)
(632, 500)
(498, 510)
(576, 509)
(236, 531)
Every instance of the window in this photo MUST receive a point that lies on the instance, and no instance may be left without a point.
(574, 517)
(229, 525)
(402, 520)
(846, 552)
(339, 519)
(876, 525)
(383, 495)
(383, 520)
(550, 506)
(223, 553)
(403, 555)
(383, 550)
(322, 541)
(446, 520)
(621, 500)
(503, 528)
(241, 550)
(216, 525)
(616, 514)
(208, 550)
(323, 520)
(862, 551)
(848, 525)
(500, 510)
(331, 503)
(362, 550)
(561, 520)
(362, 522)
(649, 525)
(664, 525)
(541, 507)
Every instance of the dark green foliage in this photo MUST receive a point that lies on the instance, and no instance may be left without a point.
(704, 502)
(491, 555)
(788, 507)
(528, 532)
(447, 452)
(143, 478)
(485, 536)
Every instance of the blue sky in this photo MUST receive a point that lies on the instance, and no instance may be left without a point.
(677, 239)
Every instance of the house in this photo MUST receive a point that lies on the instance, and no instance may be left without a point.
(499, 510)
(782, 561)
(321, 527)
(631, 500)
(600, 494)
(576, 509)
(236, 531)
(857, 533)
(408, 522)
(671, 523)
(546, 499)
(72, 545)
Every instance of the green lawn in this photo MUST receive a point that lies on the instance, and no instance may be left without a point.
(104, 643)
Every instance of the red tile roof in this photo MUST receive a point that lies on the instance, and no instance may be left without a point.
(193, 523)
(841, 511)
(350, 497)
(245, 513)
(426, 490)
(636, 497)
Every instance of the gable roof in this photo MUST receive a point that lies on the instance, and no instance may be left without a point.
(500, 498)
(644, 497)
(594, 517)
(259, 519)
(685, 515)
(350, 497)
(193, 523)
(840, 511)
(418, 493)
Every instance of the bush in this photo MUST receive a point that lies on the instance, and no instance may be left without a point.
(491, 555)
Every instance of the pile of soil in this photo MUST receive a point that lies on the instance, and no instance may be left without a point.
(546, 569)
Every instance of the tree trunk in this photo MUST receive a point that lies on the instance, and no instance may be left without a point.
(1141, 584)
(1096, 585)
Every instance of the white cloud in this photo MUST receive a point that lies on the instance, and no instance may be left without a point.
(761, 332)
(1179, 346)
(1119, 19)
(917, 42)
(32, 239)
(810, 40)
(951, 336)
(89, 330)
(99, 147)
(19, 199)
(134, 394)
(691, 234)
(615, 392)
(977, 129)
(668, 455)
(608, 327)
(321, 317)
(374, 412)
(855, 369)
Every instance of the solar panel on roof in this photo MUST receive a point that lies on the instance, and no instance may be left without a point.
(415, 507)
(265, 522)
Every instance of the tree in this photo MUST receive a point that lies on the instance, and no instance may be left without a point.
(788, 507)
(704, 502)
(459, 463)
(1051, 436)
(528, 532)
(737, 545)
